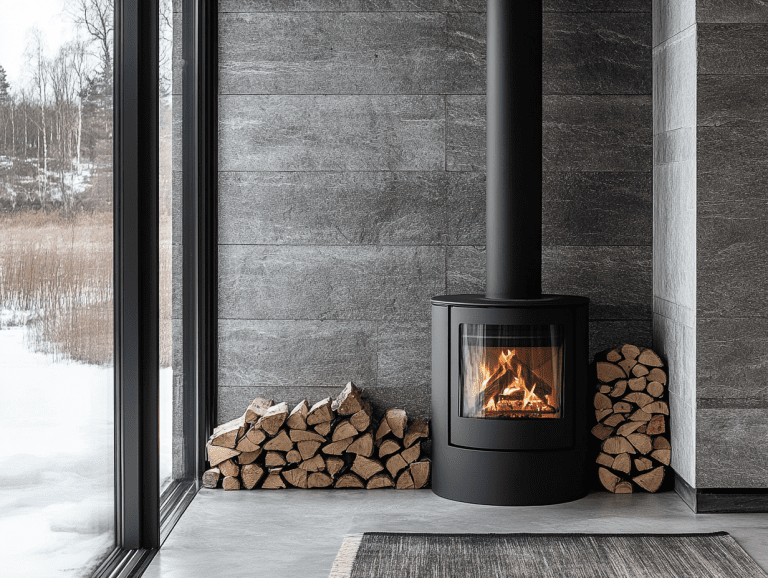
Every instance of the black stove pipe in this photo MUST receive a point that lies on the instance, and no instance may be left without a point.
(513, 193)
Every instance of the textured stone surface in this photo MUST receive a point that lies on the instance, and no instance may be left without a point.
(610, 334)
(321, 53)
(670, 17)
(733, 360)
(732, 100)
(728, 11)
(351, 5)
(597, 133)
(597, 5)
(296, 353)
(731, 444)
(335, 208)
(733, 48)
(603, 53)
(285, 282)
(405, 355)
(732, 165)
(306, 133)
(463, 64)
(674, 89)
(465, 133)
(616, 279)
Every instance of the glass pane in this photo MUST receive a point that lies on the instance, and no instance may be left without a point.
(56, 287)
(170, 254)
(511, 371)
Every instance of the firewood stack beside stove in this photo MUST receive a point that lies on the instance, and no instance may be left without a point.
(632, 420)
(334, 443)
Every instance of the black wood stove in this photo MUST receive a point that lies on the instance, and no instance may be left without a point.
(509, 368)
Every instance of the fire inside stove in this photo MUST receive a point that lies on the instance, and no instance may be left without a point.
(511, 372)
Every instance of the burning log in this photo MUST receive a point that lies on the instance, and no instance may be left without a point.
(330, 444)
(631, 420)
(512, 374)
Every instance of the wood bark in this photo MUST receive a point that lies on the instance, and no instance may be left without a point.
(418, 429)
(321, 412)
(349, 401)
(274, 418)
(420, 473)
(218, 454)
(211, 478)
(397, 421)
(297, 419)
(256, 409)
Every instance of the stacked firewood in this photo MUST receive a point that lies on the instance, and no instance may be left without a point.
(632, 420)
(334, 443)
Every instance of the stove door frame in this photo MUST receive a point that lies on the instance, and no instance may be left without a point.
(513, 434)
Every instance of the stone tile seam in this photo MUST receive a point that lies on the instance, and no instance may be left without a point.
(412, 320)
(454, 12)
(445, 94)
(457, 172)
(436, 244)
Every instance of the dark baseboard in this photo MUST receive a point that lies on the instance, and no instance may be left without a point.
(722, 500)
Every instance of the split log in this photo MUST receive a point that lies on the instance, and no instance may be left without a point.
(420, 473)
(602, 401)
(297, 478)
(614, 420)
(658, 374)
(637, 383)
(605, 389)
(657, 407)
(337, 448)
(613, 356)
(365, 467)
(661, 443)
(608, 479)
(362, 446)
(618, 445)
(605, 460)
(294, 456)
(643, 464)
(601, 413)
(211, 478)
(319, 480)
(256, 435)
(619, 388)
(412, 453)
(362, 419)
(227, 434)
(274, 460)
(649, 357)
(405, 481)
(323, 428)
(655, 389)
(397, 420)
(395, 464)
(334, 465)
(639, 370)
(628, 428)
(419, 429)
(663, 456)
(251, 474)
(218, 454)
(622, 463)
(638, 398)
(349, 401)
(657, 425)
(629, 351)
(343, 430)
(383, 430)
(642, 442)
(308, 449)
(316, 464)
(608, 372)
(622, 407)
(640, 415)
(274, 480)
(623, 488)
(650, 481)
(274, 418)
(248, 457)
(280, 443)
(247, 446)
(229, 468)
(257, 408)
(231, 483)
(601, 431)
(306, 436)
(380, 481)
(388, 447)
(321, 412)
(297, 419)
(349, 480)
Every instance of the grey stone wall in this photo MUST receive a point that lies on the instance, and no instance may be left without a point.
(710, 270)
(352, 159)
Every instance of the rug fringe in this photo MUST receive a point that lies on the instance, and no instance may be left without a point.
(345, 559)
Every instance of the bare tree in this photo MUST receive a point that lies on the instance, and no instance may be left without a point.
(39, 68)
(97, 18)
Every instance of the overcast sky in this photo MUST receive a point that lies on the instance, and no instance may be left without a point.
(18, 16)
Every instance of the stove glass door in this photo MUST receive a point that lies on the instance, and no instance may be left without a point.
(511, 371)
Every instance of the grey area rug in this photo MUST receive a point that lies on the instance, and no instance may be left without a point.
(384, 555)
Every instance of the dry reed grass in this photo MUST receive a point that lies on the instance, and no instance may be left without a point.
(57, 269)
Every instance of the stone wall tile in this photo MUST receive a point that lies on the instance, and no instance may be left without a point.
(465, 120)
(315, 133)
(732, 48)
(730, 11)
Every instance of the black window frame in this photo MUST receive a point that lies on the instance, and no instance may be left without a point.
(143, 517)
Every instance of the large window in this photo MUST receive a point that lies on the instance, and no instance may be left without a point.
(57, 508)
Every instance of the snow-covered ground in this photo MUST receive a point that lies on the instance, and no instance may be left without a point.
(57, 461)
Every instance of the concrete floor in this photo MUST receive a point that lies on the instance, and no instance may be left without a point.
(297, 533)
